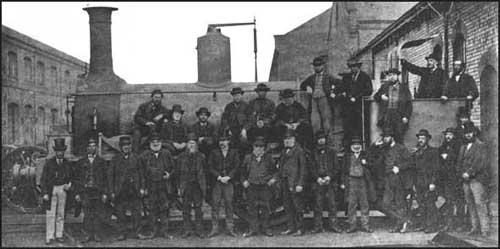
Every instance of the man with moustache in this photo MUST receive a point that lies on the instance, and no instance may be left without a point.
(234, 118)
(260, 107)
(461, 85)
(205, 131)
(432, 78)
(174, 133)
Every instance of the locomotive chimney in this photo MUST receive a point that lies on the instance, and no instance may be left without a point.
(214, 57)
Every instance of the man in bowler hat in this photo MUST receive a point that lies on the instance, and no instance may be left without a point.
(260, 107)
(234, 117)
(174, 132)
(432, 77)
(461, 85)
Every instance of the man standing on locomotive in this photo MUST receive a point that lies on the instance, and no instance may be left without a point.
(149, 118)
(432, 78)
(55, 182)
(127, 189)
(174, 133)
(205, 131)
(234, 118)
(461, 85)
(260, 108)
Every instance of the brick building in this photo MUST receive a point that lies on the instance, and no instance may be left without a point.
(337, 33)
(36, 79)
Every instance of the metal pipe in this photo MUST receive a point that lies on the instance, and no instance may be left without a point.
(231, 24)
(255, 47)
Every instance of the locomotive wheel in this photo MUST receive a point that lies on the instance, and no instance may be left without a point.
(20, 192)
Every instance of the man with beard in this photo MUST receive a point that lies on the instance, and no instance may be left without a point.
(234, 118)
(472, 165)
(426, 163)
(258, 174)
(258, 130)
(205, 131)
(55, 182)
(395, 104)
(174, 133)
(325, 170)
(432, 78)
(127, 189)
(223, 164)
(149, 118)
(461, 85)
(449, 180)
(260, 107)
(192, 185)
(292, 173)
(158, 167)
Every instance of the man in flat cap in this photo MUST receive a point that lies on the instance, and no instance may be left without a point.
(432, 77)
(149, 118)
(322, 87)
(473, 168)
(158, 167)
(395, 104)
(234, 118)
(174, 132)
(127, 188)
(461, 85)
(260, 107)
(426, 163)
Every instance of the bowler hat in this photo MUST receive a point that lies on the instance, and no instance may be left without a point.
(60, 144)
(289, 133)
(154, 136)
(124, 140)
(320, 134)
(387, 132)
(352, 63)
(318, 61)
(393, 70)
(469, 127)
(355, 140)
(192, 136)
(449, 129)
(237, 90)
(203, 110)
(259, 141)
(225, 135)
(156, 91)
(462, 112)
(433, 56)
(262, 87)
(92, 141)
(424, 132)
(287, 93)
(177, 108)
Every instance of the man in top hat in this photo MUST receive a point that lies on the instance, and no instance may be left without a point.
(432, 78)
(55, 181)
(356, 179)
(223, 164)
(192, 185)
(292, 173)
(291, 115)
(234, 117)
(148, 118)
(473, 168)
(322, 87)
(461, 85)
(205, 131)
(325, 171)
(127, 188)
(395, 104)
(158, 167)
(356, 85)
(260, 107)
(426, 164)
(258, 175)
(449, 181)
(90, 189)
(174, 133)
(395, 163)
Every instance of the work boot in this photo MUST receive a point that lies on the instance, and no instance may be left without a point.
(97, 238)
(268, 233)
(214, 232)
(249, 234)
(318, 230)
(335, 228)
(351, 229)
(287, 232)
(186, 234)
(86, 239)
(298, 233)
(366, 229)
(404, 229)
(122, 237)
(430, 229)
(232, 233)
(395, 229)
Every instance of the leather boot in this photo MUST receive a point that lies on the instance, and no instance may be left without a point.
(215, 231)
(351, 229)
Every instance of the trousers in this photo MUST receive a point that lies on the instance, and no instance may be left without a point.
(394, 203)
(134, 205)
(357, 195)
(222, 192)
(321, 115)
(55, 216)
(427, 201)
(259, 198)
(294, 207)
(158, 204)
(322, 194)
(192, 197)
(475, 197)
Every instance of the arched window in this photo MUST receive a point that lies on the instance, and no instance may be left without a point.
(41, 125)
(40, 73)
(67, 81)
(12, 62)
(13, 122)
(53, 77)
(53, 116)
(28, 124)
(28, 69)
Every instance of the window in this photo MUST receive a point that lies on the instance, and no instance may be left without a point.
(53, 77)
(13, 122)
(28, 124)
(67, 80)
(28, 114)
(40, 73)
(41, 125)
(28, 69)
(459, 42)
(53, 114)
(12, 62)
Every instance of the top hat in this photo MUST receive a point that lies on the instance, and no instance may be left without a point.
(225, 135)
(192, 136)
(469, 127)
(463, 112)
(355, 140)
(156, 91)
(177, 108)
(289, 133)
(433, 56)
(352, 63)
(203, 110)
(287, 93)
(124, 140)
(92, 141)
(424, 132)
(387, 132)
(154, 136)
(237, 90)
(318, 61)
(393, 70)
(259, 141)
(60, 144)
(262, 87)
(320, 134)
(449, 129)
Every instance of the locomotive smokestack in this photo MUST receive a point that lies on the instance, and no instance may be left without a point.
(101, 60)
(214, 57)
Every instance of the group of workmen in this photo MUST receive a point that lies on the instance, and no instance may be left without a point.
(275, 152)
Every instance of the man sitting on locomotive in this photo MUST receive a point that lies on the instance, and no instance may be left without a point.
(174, 133)
(149, 118)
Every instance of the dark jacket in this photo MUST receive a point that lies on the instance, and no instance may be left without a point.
(431, 82)
(174, 132)
(405, 107)
(270, 168)
(474, 162)
(208, 132)
(330, 84)
(465, 86)
(426, 163)
(224, 166)
(448, 172)
(83, 175)
(398, 156)
(120, 168)
(361, 87)
(325, 163)
(145, 113)
(262, 107)
(48, 178)
(155, 168)
(290, 114)
(293, 166)
(191, 165)
(367, 176)
(234, 115)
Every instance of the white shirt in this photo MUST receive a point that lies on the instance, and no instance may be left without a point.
(468, 146)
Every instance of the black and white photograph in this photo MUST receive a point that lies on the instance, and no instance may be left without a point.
(250, 124)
